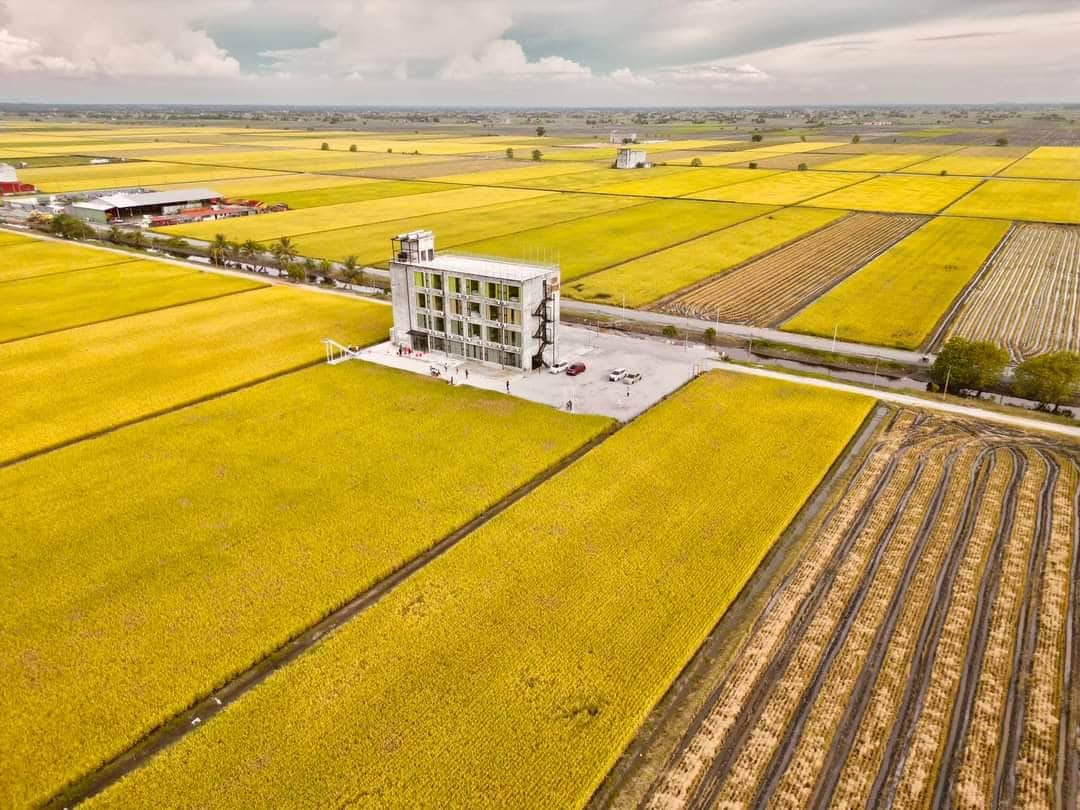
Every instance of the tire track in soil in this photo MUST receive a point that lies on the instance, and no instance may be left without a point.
(1027, 628)
(924, 648)
(710, 785)
(893, 760)
(793, 731)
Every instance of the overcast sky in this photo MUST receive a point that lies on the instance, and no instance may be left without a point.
(542, 52)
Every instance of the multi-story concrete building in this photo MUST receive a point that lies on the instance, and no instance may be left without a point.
(477, 308)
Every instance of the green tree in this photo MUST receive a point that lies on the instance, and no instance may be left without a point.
(669, 331)
(751, 165)
(310, 268)
(68, 227)
(972, 365)
(138, 240)
(803, 167)
(540, 132)
(350, 269)
(1049, 379)
(695, 162)
(116, 235)
(295, 271)
(250, 252)
(856, 138)
(802, 138)
(232, 253)
(352, 147)
(1002, 142)
(326, 270)
(710, 336)
(756, 137)
(325, 146)
(537, 154)
(283, 251)
(178, 245)
(218, 247)
(509, 153)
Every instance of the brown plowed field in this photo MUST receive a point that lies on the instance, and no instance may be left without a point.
(766, 290)
(920, 651)
(1029, 299)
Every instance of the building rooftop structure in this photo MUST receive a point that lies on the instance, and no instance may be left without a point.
(483, 266)
(144, 198)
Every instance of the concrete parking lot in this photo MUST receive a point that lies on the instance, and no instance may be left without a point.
(664, 366)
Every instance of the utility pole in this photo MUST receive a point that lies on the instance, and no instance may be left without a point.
(834, 331)
(876, 358)
(948, 373)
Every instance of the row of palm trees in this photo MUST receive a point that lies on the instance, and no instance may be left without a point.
(227, 253)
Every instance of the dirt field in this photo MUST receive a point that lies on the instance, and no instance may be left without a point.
(1029, 299)
(767, 290)
(920, 651)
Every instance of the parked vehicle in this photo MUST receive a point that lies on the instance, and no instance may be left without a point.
(574, 369)
(632, 377)
(616, 374)
(558, 368)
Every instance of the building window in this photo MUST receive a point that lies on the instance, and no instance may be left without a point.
(440, 324)
(474, 330)
(494, 334)
(418, 278)
(513, 292)
(456, 307)
(458, 328)
(512, 337)
(474, 286)
(421, 300)
(437, 302)
(436, 281)
(511, 315)
(474, 309)
(453, 283)
(492, 289)
(493, 312)
(422, 321)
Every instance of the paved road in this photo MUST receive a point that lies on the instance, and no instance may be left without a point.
(1022, 422)
(585, 309)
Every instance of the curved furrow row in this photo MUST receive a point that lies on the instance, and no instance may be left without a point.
(1029, 299)
(819, 753)
(708, 740)
(1070, 711)
(771, 742)
(1038, 775)
(885, 727)
(920, 651)
(949, 649)
(1005, 781)
(966, 766)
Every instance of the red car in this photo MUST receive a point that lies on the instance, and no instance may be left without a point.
(574, 369)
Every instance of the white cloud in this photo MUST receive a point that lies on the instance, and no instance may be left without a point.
(125, 39)
(506, 58)
(714, 75)
(627, 77)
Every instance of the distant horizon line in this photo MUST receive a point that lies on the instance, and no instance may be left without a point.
(528, 108)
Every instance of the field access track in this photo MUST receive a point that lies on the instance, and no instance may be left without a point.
(1029, 299)
(767, 290)
(919, 653)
